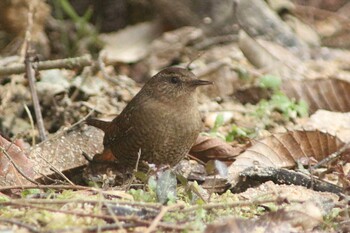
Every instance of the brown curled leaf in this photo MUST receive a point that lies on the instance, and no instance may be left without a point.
(208, 148)
(323, 93)
(285, 150)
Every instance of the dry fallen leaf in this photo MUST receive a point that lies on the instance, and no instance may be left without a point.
(64, 150)
(9, 175)
(330, 94)
(208, 148)
(284, 150)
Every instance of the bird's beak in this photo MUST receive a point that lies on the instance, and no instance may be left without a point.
(198, 82)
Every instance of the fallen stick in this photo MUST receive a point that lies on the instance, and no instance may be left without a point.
(68, 63)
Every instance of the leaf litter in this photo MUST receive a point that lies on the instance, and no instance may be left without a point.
(268, 127)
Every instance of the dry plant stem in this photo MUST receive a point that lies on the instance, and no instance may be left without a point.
(30, 73)
(101, 203)
(100, 216)
(5, 188)
(97, 228)
(135, 170)
(331, 157)
(71, 127)
(3, 150)
(31, 123)
(159, 217)
(84, 75)
(91, 202)
(62, 175)
(20, 224)
(195, 159)
(235, 204)
(68, 63)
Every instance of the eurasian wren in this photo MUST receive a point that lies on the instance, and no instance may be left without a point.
(161, 122)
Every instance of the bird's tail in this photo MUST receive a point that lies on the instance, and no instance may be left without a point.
(103, 125)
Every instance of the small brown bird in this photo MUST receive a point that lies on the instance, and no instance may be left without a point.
(161, 122)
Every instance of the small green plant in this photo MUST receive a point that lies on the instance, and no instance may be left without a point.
(219, 121)
(29, 192)
(239, 133)
(86, 36)
(236, 132)
(289, 108)
(149, 192)
(270, 81)
(81, 22)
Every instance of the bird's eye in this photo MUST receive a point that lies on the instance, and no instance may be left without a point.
(174, 80)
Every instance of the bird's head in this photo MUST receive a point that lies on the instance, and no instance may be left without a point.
(174, 83)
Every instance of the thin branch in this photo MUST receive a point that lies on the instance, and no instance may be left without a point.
(54, 169)
(30, 73)
(134, 219)
(68, 63)
(20, 224)
(31, 123)
(141, 205)
(331, 157)
(159, 217)
(235, 204)
(71, 127)
(98, 228)
(31, 80)
(135, 170)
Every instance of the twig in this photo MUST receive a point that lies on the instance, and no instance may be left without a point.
(99, 216)
(135, 170)
(54, 169)
(98, 228)
(30, 73)
(20, 224)
(153, 206)
(159, 217)
(331, 157)
(195, 159)
(68, 63)
(138, 160)
(235, 204)
(193, 59)
(31, 123)
(2, 150)
(84, 78)
(109, 209)
(71, 127)
(31, 80)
